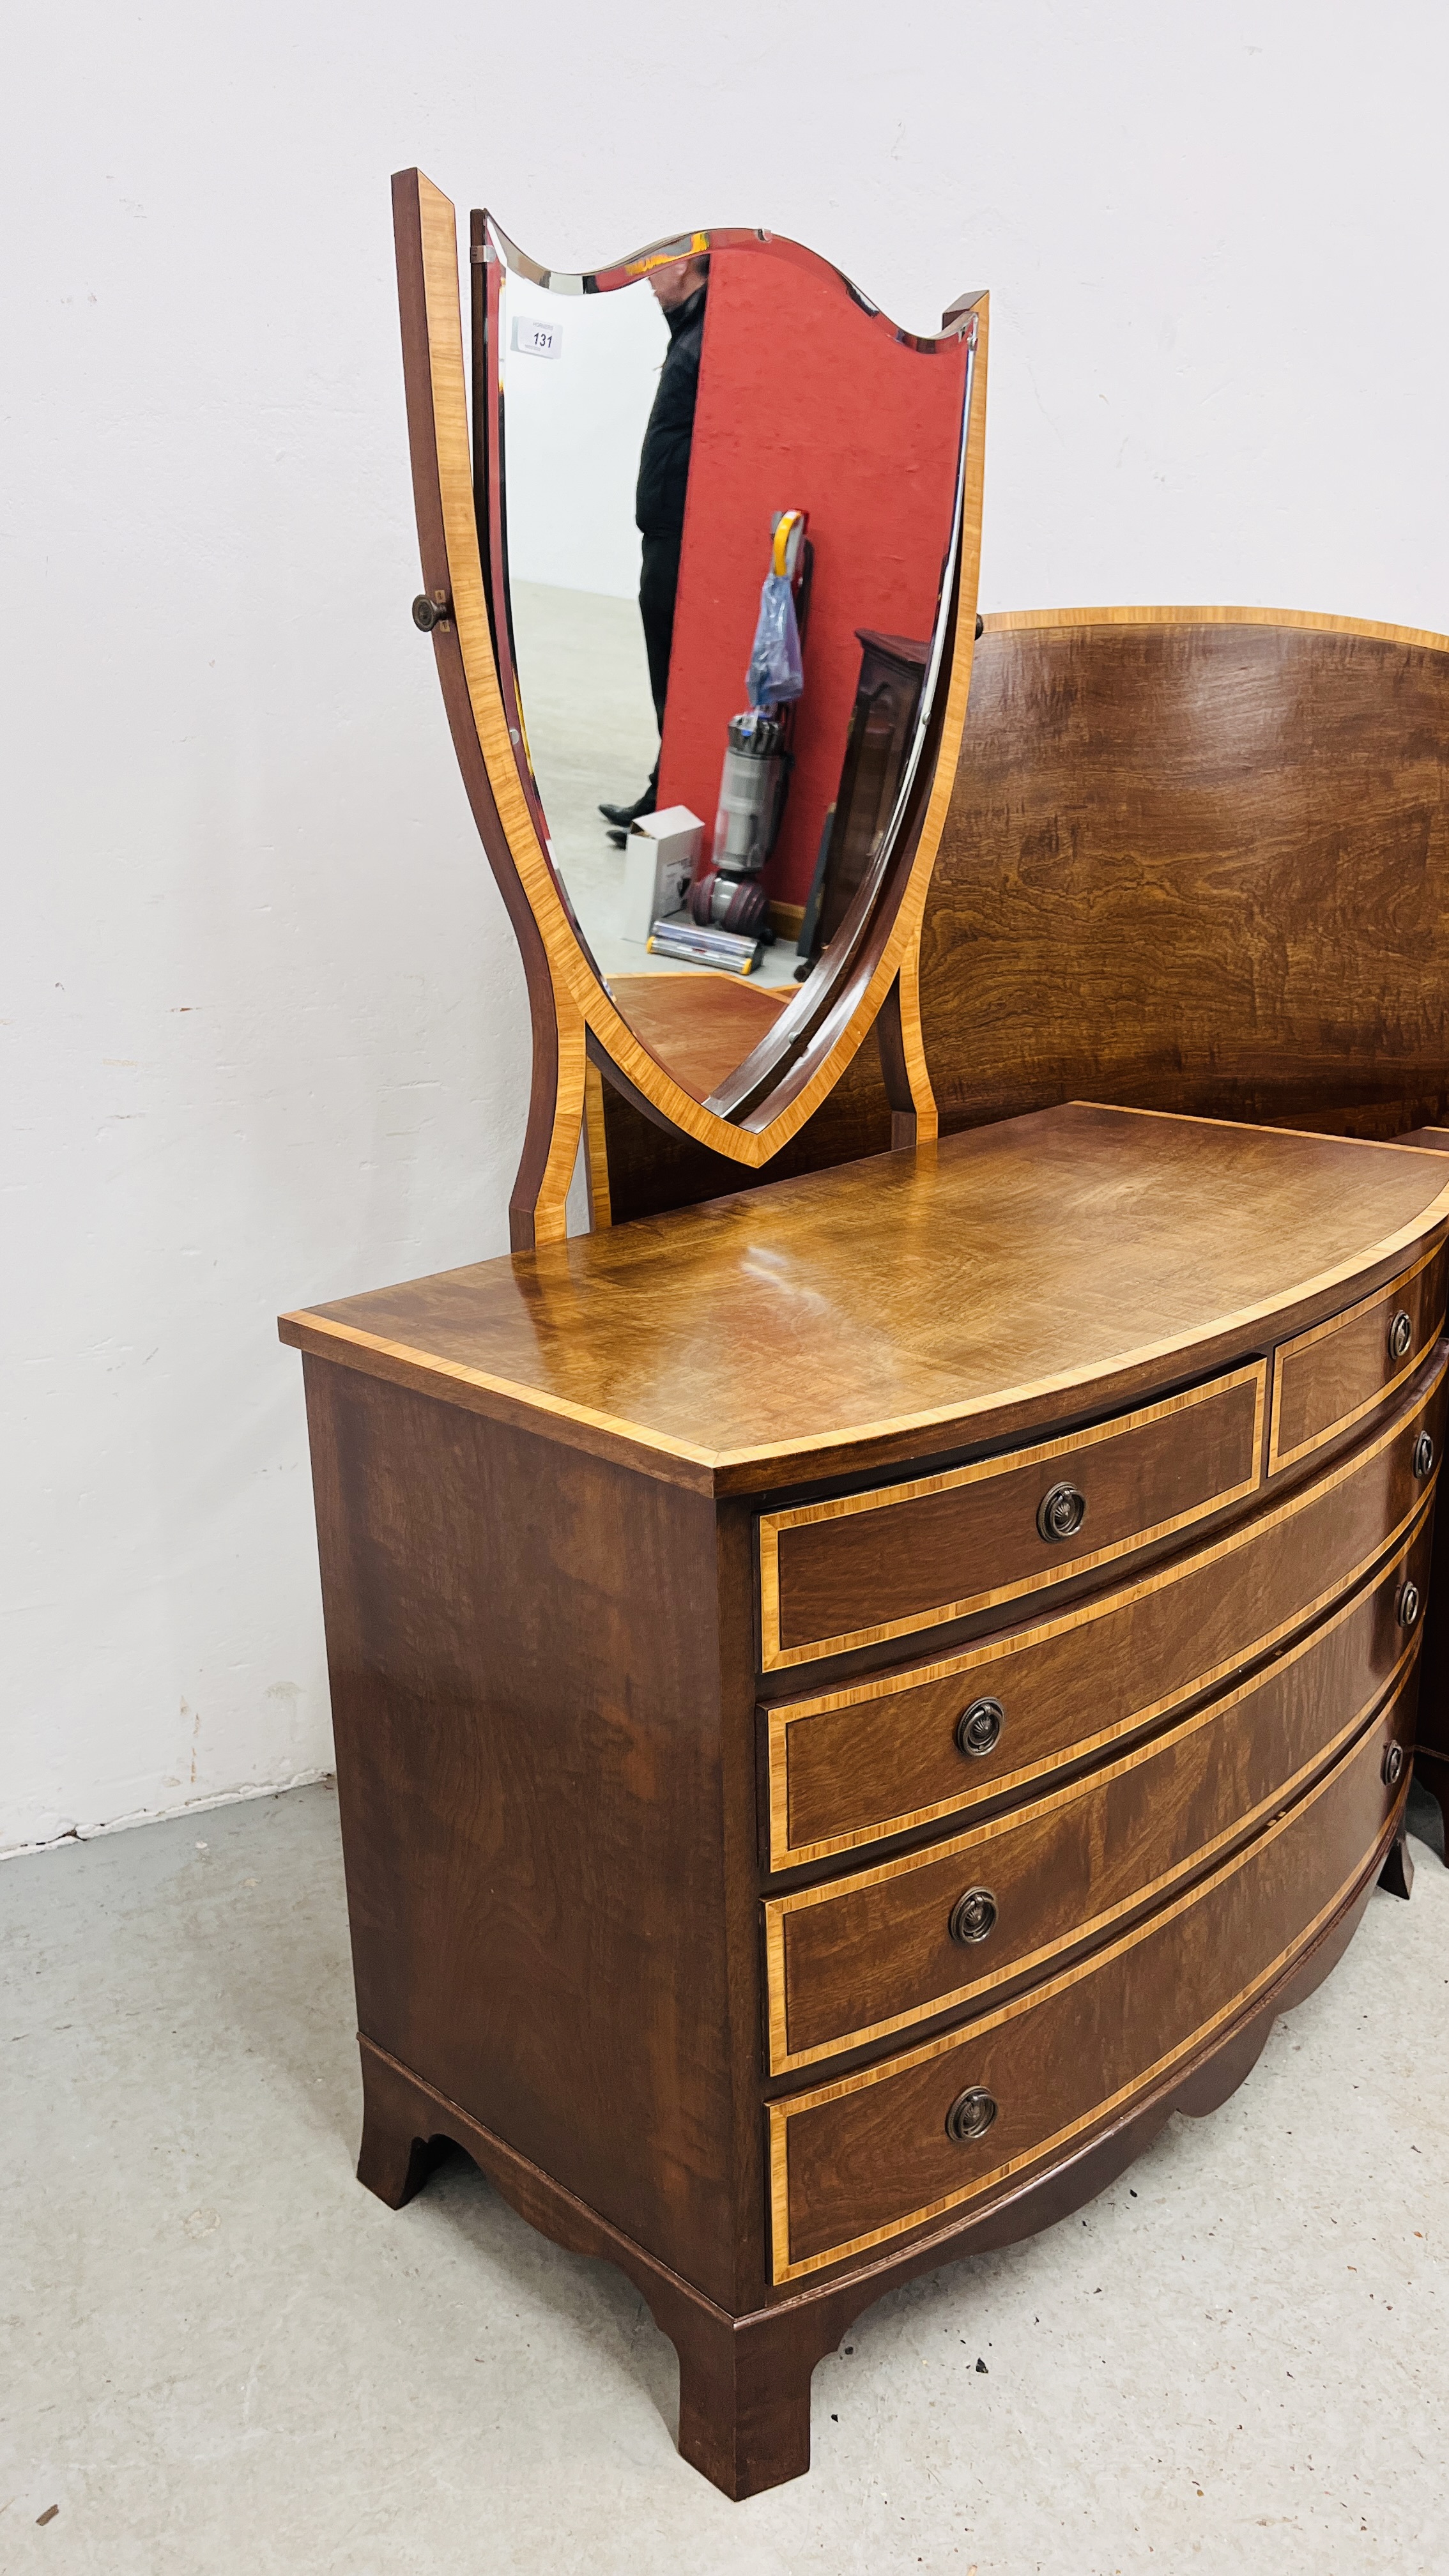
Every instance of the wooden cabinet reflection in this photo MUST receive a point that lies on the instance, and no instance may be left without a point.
(888, 693)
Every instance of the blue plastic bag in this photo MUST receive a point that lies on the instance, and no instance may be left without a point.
(775, 675)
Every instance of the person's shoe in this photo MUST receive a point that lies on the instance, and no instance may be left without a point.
(617, 836)
(621, 816)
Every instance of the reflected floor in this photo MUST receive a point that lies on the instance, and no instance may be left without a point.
(591, 731)
(699, 1044)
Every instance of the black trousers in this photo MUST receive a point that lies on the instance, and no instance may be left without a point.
(658, 582)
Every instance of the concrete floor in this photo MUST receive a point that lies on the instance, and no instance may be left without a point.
(220, 2354)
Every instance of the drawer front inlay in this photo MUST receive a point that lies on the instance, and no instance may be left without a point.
(864, 1567)
(1327, 1380)
(881, 1756)
(858, 2162)
(863, 1957)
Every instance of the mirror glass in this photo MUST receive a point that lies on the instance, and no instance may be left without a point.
(722, 495)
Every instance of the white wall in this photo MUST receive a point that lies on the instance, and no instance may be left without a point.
(263, 1028)
(573, 423)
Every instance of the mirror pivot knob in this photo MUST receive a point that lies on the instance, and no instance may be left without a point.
(431, 612)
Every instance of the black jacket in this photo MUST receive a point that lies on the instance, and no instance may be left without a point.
(664, 457)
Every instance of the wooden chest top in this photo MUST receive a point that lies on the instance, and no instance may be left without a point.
(945, 1296)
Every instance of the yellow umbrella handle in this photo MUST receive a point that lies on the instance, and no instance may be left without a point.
(789, 521)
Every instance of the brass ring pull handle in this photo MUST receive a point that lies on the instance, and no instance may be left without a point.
(973, 1916)
(1408, 1606)
(1423, 1455)
(428, 613)
(1061, 1512)
(1401, 1335)
(1393, 1765)
(978, 1728)
(970, 2116)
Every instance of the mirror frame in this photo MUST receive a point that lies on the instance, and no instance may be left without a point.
(868, 977)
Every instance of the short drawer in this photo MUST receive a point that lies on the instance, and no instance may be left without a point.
(864, 1567)
(965, 2117)
(863, 1957)
(902, 1750)
(1328, 1379)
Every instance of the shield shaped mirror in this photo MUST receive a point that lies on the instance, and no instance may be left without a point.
(727, 515)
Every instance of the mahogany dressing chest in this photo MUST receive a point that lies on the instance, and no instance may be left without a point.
(856, 1700)
(865, 1682)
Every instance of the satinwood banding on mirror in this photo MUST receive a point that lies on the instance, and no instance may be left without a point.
(868, 974)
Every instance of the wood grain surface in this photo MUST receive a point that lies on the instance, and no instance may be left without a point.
(701, 1026)
(860, 2161)
(1329, 1378)
(860, 1958)
(1199, 860)
(529, 1778)
(452, 578)
(879, 1756)
(862, 1568)
(853, 1317)
(1313, 621)
(652, 1169)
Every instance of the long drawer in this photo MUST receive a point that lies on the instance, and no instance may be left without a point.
(1328, 1379)
(863, 1957)
(858, 2162)
(905, 1749)
(863, 1567)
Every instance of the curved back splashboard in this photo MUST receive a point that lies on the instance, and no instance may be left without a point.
(1196, 859)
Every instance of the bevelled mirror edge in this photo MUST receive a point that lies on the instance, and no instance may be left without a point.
(573, 1010)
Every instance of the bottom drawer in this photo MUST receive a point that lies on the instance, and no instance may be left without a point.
(862, 2160)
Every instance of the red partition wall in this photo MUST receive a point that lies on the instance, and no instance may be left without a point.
(805, 402)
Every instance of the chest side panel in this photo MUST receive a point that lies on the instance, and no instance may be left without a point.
(529, 1775)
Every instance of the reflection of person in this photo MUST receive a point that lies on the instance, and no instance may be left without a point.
(680, 285)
